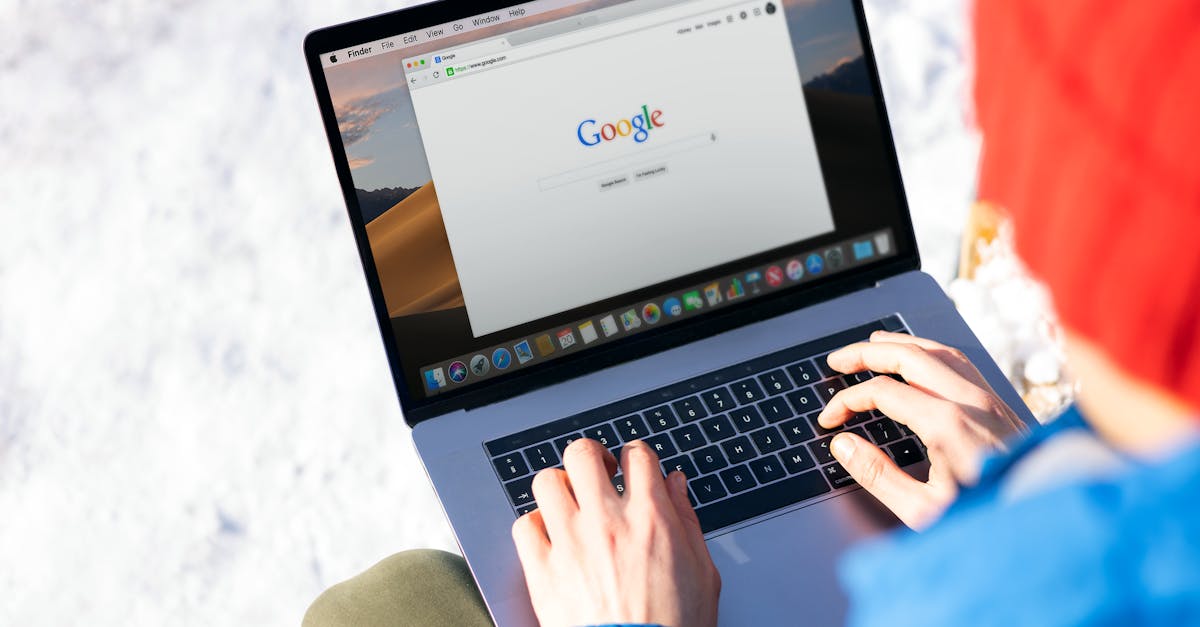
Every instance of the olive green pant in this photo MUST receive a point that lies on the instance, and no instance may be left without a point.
(421, 587)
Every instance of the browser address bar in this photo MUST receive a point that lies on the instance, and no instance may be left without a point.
(650, 19)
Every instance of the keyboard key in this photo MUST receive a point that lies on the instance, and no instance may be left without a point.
(804, 400)
(826, 389)
(510, 466)
(837, 476)
(858, 419)
(746, 418)
(661, 418)
(718, 400)
(797, 431)
(738, 479)
(855, 378)
(717, 428)
(775, 382)
(765, 499)
(767, 469)
(775, 409)
(562, 443)
(708, 489)
(797, 459)
(692, 499)
(618, 482)
(683, 464)
(906, 452)
(804, 373)
(541, 456)
(520, 491)
(604, 434)
(526, 508)
(709, 459)
(689, 409)
(688, 437)
(738, 450)
(812, 420)
(823, 367)
(767, 440)
(747, 391)
(662, 446)
(631, 428)
(883, 431)
(820, 450)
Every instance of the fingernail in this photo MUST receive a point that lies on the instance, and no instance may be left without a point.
(842, 446)
(678, 483)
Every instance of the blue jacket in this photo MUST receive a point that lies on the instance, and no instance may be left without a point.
(1117, 550)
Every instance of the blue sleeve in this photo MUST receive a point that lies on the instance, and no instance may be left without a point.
(1118, 551)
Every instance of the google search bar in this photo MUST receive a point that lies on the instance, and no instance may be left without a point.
(617, 165)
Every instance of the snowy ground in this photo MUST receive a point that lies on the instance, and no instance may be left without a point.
(196, 421)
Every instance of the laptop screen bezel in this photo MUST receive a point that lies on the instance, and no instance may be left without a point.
(416, 410)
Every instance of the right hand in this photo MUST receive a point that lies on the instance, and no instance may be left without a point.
(944, 400)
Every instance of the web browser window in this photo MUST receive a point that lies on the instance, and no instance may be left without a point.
(617, 155)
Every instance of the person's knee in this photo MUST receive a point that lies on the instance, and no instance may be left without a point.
(420, 587)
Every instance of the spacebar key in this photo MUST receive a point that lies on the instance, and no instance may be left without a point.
(761, 500)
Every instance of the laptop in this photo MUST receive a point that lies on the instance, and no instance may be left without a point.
(635, 219)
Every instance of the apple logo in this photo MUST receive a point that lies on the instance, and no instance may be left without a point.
(333, 58)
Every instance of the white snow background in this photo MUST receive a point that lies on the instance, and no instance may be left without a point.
(197, 425)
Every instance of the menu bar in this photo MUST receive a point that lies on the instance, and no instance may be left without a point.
(501, 359)
(442, 31)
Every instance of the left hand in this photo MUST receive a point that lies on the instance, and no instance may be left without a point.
(594, 557)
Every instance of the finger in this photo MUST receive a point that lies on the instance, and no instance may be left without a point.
(903, 403)
(529, 535)
(590, 468)
(951, 356)
(879, 475)
(918, 367)
(552, 491)
(678, 492)
(643, 477)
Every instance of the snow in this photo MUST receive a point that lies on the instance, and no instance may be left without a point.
(197, 425)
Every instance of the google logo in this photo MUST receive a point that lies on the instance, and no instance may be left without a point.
(639, 126)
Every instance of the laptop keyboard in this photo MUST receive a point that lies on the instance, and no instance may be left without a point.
(746, 436)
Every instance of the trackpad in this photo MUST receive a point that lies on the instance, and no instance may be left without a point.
(782, 570)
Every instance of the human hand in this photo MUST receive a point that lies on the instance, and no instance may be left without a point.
(944, 401)
(594, 557)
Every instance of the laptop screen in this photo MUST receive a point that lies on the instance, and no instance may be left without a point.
(558, 175)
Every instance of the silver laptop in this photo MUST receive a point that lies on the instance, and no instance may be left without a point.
(634, 219)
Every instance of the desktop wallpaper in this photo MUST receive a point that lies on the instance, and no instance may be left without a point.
(398, 199)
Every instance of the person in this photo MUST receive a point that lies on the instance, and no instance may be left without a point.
(1088, 116)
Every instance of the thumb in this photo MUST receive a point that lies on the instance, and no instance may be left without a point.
(879, 475)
